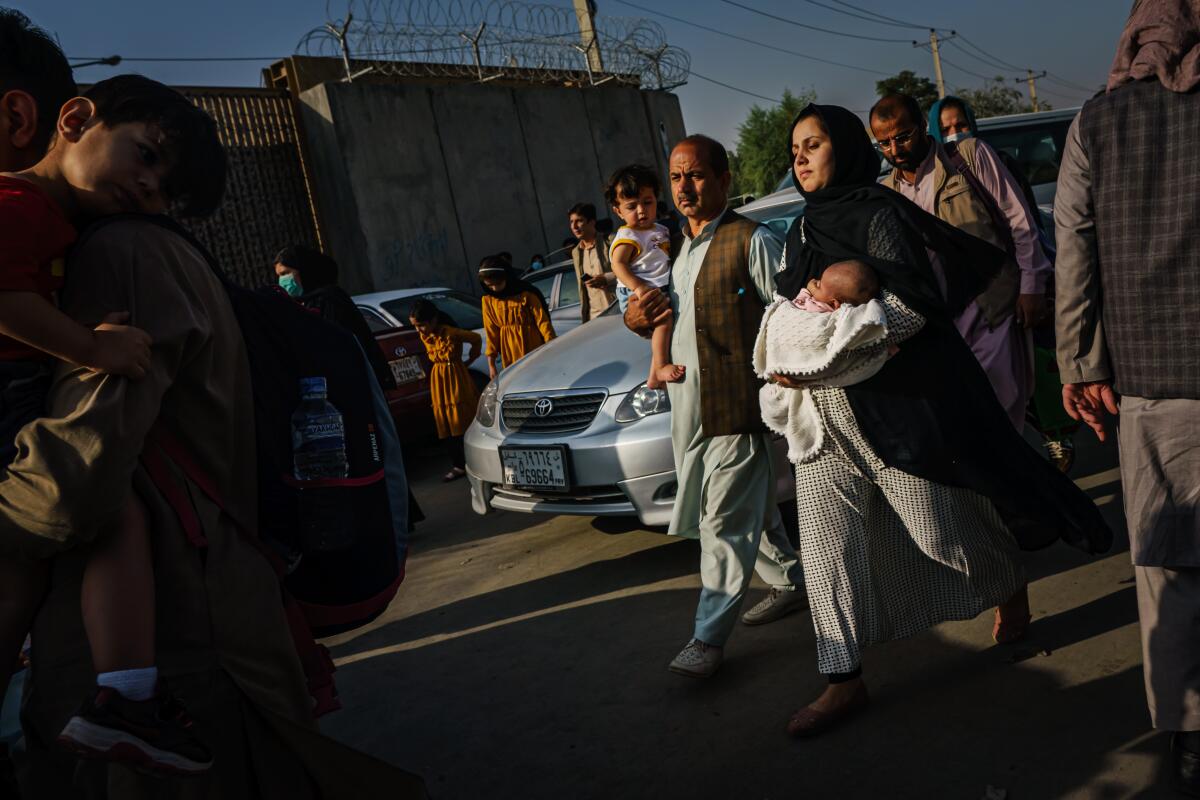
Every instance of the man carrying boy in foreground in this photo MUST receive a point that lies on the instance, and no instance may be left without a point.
(223, 644)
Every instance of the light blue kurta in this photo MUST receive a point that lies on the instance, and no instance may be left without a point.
(726, 483)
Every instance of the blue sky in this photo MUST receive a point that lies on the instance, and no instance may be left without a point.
(1073, 39)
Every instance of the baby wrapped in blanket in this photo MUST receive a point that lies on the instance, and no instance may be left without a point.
(831, 334)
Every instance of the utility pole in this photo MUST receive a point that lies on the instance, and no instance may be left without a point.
(937, 61)
(1032, 79)
(585, 12)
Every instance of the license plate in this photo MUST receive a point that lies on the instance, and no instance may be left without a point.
(407, 370)
(535, 467)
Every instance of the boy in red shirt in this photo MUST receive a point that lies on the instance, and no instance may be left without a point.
(130, 145)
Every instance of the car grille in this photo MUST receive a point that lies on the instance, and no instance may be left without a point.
(570, 412)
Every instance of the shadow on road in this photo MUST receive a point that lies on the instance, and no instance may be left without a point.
(578, 703)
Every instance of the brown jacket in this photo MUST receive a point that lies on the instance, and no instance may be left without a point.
(585, 300)
(957, 203)
(728, 313)
(222, 643)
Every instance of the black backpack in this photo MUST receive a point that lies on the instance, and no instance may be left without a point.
(338, 544)
(338, 536)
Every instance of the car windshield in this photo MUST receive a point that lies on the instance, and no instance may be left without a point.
(461, 307)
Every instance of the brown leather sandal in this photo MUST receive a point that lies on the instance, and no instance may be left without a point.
(1012, 618)
(809, 722)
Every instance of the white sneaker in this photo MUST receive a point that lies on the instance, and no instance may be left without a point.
(697, 660)
(777, 604)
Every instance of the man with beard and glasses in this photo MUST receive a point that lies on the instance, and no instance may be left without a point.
(973, 191)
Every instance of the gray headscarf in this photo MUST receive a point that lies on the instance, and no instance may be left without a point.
(1161, 40)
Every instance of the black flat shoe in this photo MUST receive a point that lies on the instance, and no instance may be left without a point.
(1185, 770)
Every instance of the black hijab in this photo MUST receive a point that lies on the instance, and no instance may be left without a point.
(837, 220)
(930, 411)
(318, 279)
(316, 269)
(513, 284)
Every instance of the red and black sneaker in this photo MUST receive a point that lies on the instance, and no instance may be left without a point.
(153, 735)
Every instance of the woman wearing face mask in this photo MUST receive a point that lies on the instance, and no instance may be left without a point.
(951, 120)
(310, 278)
(905, 522)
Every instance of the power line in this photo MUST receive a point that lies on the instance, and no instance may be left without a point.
(749, 41)
(863, 17)
(774, 100)
(1054, 93)
(1062, 82)
(989, 55)
(893, 20)
(210, 58)
(996, 64)
(813, 27)
(961, 68)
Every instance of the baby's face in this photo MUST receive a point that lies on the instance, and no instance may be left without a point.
(638, 212)
(824, 290)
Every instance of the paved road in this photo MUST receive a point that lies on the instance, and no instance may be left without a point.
(525, 657)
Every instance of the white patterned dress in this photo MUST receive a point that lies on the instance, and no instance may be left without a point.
(887, 555)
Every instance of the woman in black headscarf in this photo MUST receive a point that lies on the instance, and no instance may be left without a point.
(310, 278)
(905, 520)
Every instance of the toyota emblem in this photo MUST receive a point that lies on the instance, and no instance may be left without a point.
(543, 407)
(401, 351)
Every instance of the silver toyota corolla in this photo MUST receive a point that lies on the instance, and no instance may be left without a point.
(573, 429)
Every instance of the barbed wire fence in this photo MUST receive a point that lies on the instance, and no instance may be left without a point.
(484, 40)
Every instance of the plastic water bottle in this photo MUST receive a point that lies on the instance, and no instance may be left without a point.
(318, 435)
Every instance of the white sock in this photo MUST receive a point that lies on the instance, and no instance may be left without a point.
(132, 684)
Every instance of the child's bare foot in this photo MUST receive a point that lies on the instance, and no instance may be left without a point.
(668, 373)
(653, 382)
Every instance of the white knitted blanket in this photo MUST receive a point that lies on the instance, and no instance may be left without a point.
(840, 348)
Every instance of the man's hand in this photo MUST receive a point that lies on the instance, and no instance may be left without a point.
(120, 349)
(597, 282)
(644, 313)
(1031, 309)
(1087, 402)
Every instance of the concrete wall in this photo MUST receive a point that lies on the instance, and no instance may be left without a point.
(415, 184)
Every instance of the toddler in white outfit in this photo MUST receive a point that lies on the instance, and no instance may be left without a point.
(640, 257)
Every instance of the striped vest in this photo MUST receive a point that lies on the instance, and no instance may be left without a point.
(728, 313)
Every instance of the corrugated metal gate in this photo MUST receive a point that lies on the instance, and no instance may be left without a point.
(268, 201)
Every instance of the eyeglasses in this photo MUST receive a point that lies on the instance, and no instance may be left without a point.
(896, 141)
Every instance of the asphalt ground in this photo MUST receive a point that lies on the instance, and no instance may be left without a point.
(526, 657)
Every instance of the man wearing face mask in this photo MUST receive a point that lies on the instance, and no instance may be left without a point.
(310, 278)
(975, 193)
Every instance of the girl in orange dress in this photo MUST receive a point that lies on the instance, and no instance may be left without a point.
(515, 317)
(451, 389)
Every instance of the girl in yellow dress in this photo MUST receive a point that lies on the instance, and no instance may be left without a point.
(451, 389)
(515, 317)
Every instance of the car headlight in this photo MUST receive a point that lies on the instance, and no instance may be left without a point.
(485, 415)
(642, 402)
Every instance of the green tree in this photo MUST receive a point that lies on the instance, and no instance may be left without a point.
(997, 98)
(762, 156)
(915, 86)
